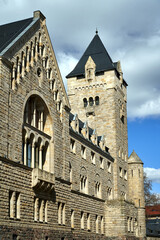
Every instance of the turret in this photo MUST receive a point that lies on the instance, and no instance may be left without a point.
(136, 189)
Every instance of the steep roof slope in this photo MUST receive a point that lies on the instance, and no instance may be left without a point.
(99, 55)
(9, 32)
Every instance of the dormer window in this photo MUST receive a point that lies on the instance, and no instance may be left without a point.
(90, 68)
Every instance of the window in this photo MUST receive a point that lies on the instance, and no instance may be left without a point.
(88, 222)
(125, 174)
(97, 224)
(93, 157)
(102, 225)
(132, 173)
(132, 228)
(120, 172)
(72, 145)
(83, 152)
(82, 220)
(109, 166)
(83, 184)
(72, 218)
(70, 172)
(98, 189)
(17, 205)
(128, 224)
(139, 172)
(101, 162)
(91, 101)
(97, 100)
(35, 144)
(40, 210)
(14, 204)
(61, 213)
(11, 204)
(15, 237)
(85, 103)
(109, 193)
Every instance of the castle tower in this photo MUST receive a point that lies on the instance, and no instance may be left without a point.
(98, 93)
(136, 189)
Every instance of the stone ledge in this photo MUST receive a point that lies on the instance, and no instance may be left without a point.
(42, 180)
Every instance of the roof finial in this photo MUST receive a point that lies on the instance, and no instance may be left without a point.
(96, 31)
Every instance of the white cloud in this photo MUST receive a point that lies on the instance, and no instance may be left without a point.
(66, 64)
(133, 40)
(153, 174)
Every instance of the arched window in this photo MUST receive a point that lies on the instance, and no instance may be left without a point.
(97, 100)
(91, 101)
(85, 102)
(36, 134)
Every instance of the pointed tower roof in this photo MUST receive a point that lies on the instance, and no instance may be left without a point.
(134, 158)
(99, 55)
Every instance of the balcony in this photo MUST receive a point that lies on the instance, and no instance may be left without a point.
(42, 180)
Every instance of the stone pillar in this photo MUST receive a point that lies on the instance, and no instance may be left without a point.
(40, 157)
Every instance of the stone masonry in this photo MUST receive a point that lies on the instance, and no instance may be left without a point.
(64, 166)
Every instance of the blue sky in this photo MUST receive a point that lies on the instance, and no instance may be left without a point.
(130, 31)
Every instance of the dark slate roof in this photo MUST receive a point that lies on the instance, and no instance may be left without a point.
(9, 32)
(91, 131)
(99, 55)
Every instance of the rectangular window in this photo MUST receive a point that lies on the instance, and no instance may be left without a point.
(109, 166)
(61, 213)
(102, 225)
(88, 222)
(82, 220)
(96, 223)
(11, 204)
(17, 205)
(36, 209)
(45, 211)
(93, 157)
(40, 210)
(72, 145)
(14, 204)
(125, 174)
(83, 152)
(120, 172)
(101, 163)
(72, 218)
(98, 190)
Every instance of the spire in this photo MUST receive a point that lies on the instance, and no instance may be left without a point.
(100, 56)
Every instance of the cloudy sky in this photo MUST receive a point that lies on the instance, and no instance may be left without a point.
(130, 31)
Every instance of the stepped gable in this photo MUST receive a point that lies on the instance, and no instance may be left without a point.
(134, 158)
(9, 32)
(99, 55)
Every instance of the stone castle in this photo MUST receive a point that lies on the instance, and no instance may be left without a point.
(64, 166)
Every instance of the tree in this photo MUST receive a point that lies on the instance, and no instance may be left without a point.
(150, 198)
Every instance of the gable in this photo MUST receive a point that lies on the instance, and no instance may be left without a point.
(30, 49)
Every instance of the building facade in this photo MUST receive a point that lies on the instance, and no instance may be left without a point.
(64, 166)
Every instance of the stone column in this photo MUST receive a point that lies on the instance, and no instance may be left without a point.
(40, 157)
(33, 155)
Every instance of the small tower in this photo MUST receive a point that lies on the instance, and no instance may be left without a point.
(98, 93)
(136, 189)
